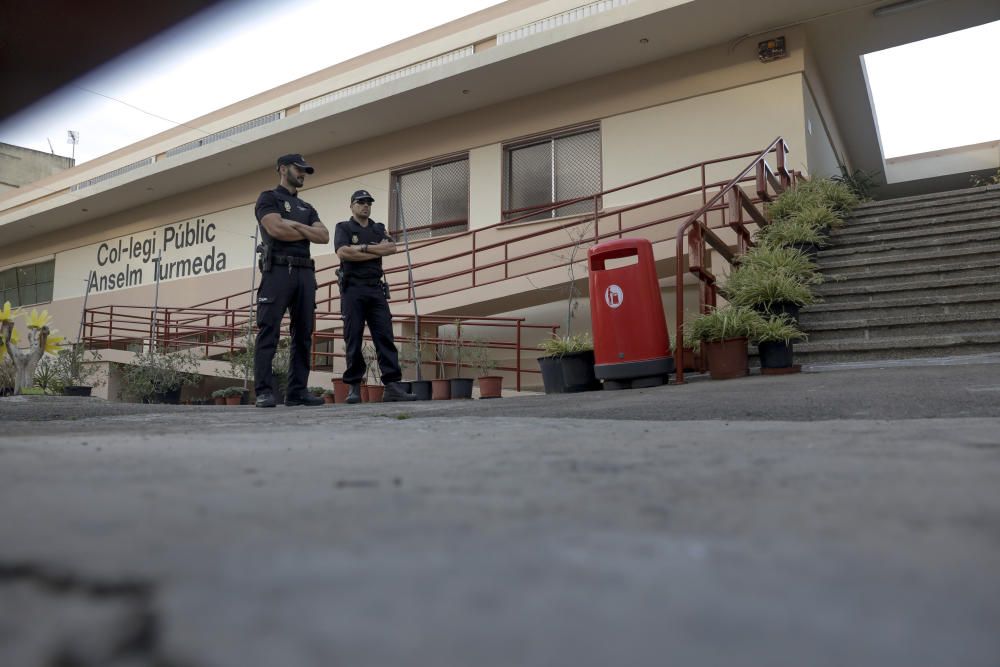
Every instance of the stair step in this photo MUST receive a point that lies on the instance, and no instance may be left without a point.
(943, 285)
(968, 236)
(918, 201)
(972, 301)
(946, 256)
(915, 323)
(853, 228)
(898, 348)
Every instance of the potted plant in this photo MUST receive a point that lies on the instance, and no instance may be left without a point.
(158, 377)
(685, 353)
(490, 386)
(371, 390)
(328, 396)
(774, 337)
(74, 371)
(414, 353)
(725, 333)
(340, 390)
(768, 290)
(233, 395)
(219, 396)
(574, 357)
(441, 385)
(461, 387)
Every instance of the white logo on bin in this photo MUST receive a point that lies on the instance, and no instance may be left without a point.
(613, 296)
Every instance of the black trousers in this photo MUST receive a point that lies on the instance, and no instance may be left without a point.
(281, 290)
(361, 304)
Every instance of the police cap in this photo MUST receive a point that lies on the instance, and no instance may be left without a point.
(361, 194)
(297, 160)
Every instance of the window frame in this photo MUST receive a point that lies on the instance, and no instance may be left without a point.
(523, 215)
(424, 165)
(18, 287)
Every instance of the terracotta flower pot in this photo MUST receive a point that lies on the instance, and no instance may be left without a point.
(340, 389)
(728, 358)
(328, 398)
(364, 393)
(233, 400)
(375, 393)
(441, 390)
(220, 400)
(490, 386)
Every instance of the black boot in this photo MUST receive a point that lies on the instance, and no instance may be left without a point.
(303, 399)
(265, 400)
(395, 392)
(354, 394)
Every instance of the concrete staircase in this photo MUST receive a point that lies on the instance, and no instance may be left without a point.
(910, 278)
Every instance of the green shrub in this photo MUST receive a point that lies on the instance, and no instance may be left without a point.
(724, 323)
(760, 287)
(316, 391)
(153, 373)
(789, 232)
(777, 329)
(219, 393)
(232, 391)
(859, 182)
(557, 346)
(790, 202)
(832, 193)
(792, 261)
(817, 216)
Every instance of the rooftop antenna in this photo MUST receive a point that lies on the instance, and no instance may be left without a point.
(51, 150)
(72, 137)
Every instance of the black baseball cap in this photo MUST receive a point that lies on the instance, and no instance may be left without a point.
(297, 160)
(361, 194)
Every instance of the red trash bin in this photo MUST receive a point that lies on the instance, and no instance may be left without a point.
(631, 344)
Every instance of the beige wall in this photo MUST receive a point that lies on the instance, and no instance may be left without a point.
(821, 158)
(977, 157)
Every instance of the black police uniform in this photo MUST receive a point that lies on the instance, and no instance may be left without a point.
(362, 300)
(289, 284)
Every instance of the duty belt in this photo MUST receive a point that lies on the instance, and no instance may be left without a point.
(292, 260)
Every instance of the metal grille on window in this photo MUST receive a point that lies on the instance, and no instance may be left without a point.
(529, 179)
(434, 201)
(578, 171)
(557, 170)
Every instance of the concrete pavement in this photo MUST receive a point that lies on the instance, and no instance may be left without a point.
(847, 518)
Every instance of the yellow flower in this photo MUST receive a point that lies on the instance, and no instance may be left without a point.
(5, 313)
(54, 343)
(38, 320)
(14, 339)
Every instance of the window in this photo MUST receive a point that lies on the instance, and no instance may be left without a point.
(27, 285)
(557, 168)
(433, 200)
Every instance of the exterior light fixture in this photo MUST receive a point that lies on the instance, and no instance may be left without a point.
(772, 49)
(897, 7)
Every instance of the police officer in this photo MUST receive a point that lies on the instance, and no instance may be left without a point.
(361, 243)
(288, 281)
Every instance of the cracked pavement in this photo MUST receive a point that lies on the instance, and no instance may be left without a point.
(820, 519)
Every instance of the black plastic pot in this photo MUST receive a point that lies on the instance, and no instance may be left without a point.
(171, 397)
(422, 389)
(461, 388)
(76, 390)
(775, 354)
(552, 375)
(810, 249)
(578, 372)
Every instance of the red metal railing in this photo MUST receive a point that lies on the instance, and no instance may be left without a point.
(133, 327)
(698, 232)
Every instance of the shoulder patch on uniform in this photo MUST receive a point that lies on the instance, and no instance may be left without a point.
(288, 207)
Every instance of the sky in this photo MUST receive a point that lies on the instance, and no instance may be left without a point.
(937, 93)
(928, 95)
(229, 53)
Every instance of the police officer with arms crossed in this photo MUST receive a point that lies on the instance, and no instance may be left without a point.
(361, 244)
(288, 282)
